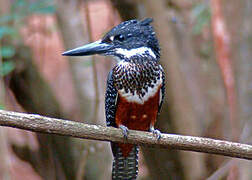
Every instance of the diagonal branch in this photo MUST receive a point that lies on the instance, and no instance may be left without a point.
(48, 125)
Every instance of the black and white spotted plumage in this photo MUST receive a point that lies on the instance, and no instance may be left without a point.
(110, 101)
(137, 77)
(124, 168)
(134, 74)
(133, 84)
(127, 167)
(162, 92)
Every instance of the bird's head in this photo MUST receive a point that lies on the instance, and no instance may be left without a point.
(128, 39)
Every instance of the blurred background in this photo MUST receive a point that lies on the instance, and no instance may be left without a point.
(206, 53)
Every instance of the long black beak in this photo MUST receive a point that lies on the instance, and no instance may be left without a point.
(96, 47)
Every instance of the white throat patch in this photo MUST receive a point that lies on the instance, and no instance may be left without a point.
(137, 51)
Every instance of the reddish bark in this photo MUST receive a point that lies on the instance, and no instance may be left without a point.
(222, 48)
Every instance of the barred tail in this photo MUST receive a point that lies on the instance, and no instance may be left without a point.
(124, 168)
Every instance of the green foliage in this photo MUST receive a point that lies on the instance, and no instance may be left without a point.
(24, 7)
(202, 15)
(2, 106)
(6, 30)
(6, 18)
(9, 26)
(7, 51)
(42, 6)
(6, 68)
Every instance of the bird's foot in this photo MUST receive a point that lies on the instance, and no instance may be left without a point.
(125, 131)
(155, 132)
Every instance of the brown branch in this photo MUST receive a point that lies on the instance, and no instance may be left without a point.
(48, 125)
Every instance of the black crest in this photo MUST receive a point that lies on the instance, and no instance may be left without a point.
(133, 34)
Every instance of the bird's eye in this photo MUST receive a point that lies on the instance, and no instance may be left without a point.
(119, 37)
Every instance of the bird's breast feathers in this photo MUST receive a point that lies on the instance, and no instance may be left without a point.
(137, 85)
(138, 98)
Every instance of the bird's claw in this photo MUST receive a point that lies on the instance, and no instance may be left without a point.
(155, 132)
(125, 131)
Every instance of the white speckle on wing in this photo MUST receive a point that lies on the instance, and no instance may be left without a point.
(160, 97)
(128, 53)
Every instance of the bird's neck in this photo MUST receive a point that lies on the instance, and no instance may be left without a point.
(135, 55)
(140, 51)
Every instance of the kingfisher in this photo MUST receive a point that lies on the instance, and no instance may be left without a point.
(135, 87)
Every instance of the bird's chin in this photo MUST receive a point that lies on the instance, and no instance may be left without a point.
(118, 59)
(109, 53)
(114, 56)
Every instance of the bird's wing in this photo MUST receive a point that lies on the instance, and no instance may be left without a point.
(123, 167)
(110, 100)
(162, 90)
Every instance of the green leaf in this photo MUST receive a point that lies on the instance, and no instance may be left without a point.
(46, 10)
(7, 51)
(202, 15)
(2, 106)
(20, 3)
(6, 18)
(43, 7)
(6, 68)
(198, 9)
(6, 30)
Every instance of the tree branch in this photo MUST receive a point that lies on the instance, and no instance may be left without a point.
(48, 125)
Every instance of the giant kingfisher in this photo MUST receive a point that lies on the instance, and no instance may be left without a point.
(135, 87)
